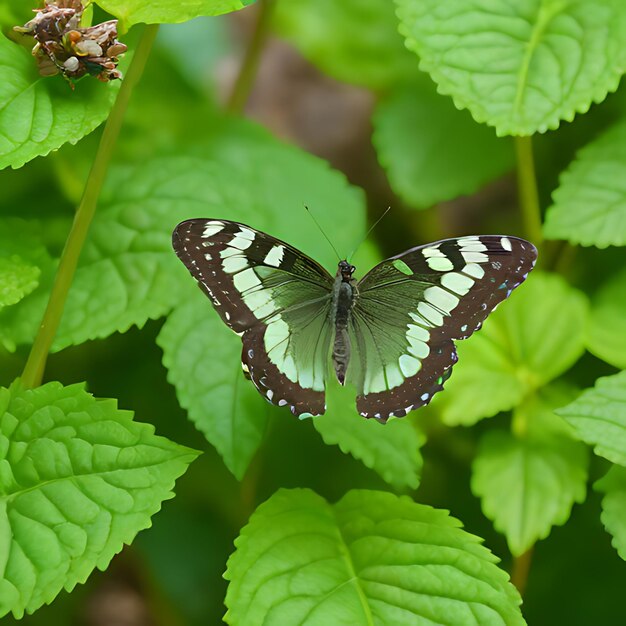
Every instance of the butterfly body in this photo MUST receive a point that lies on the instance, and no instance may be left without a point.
(344, 296)
(390, 335)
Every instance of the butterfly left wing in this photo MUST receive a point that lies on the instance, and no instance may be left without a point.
(272, 295)
(412, 306)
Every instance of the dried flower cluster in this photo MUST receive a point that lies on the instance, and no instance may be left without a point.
(63, 47)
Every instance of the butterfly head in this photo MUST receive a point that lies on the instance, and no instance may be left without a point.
(346, 270)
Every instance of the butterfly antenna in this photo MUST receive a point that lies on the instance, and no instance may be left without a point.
(372, 227)
(322, 231)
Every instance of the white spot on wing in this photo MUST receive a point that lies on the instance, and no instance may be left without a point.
(260, 303)
(212, 228)
(276, 340)
(246, 280)
(418, 332)
(246, 233)
(442, 299)
(474, 257)
(506, 244)
(430, 314)
(433, 251)
(439, 263)
(472, 244)
(275, 256)
(234, 264)
(394, 376)
(226, 252)
(474, 270)
(418, 348)
(456, 282)
(241, 242)
(409, 365)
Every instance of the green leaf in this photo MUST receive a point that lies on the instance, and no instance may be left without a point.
(265, 184)
(529, 483)
(372, 558)
(599, 417)
(410, 127)
(613, 485)
(391, 450)
(526, 486)
(17, 279)
(518, 350)
(590, 202)
(523, 66)
(128, 272)
(203, 359)
(23, 239)
(78, 480)
(355, 42)
(39, 114)
(131, 12)
(606, 332)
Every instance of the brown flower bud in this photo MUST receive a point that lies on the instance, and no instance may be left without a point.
(63, 46)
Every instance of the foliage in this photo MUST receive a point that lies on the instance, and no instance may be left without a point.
(590, 202)
(37, 116)
(79, 480)
(606, 333)
(518, 350)
(301, 559)
(520, 68)
(599, 417)
(429, 147)
(323, 535)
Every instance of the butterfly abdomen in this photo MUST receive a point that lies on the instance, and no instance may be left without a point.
(344, 296)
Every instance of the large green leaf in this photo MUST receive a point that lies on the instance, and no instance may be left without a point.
(128, 272)
(527, 485)
(392, 450)
(606, 332)
(599, 417)
(203, 360)
(372, 558)
(519, 349)
(519, 66)
(78, 480)
(590, 202)
(353, 41)
(17, 279)
(613, 485)
(264, 183)
(131, 12)
(432, 151)
(38, 114)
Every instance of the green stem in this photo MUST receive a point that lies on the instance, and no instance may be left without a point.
(521, 568)
(245, 79)
(527, 189)
(34, 369)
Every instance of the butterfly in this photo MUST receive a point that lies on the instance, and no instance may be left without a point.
(389, 334)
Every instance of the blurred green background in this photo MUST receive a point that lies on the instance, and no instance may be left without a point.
(172, 574)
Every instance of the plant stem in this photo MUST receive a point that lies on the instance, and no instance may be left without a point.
(521, 567)
(34, 369)
(527, 189)
(245, 79)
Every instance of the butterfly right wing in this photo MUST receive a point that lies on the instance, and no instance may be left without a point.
(275, 297)
(412, 306)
